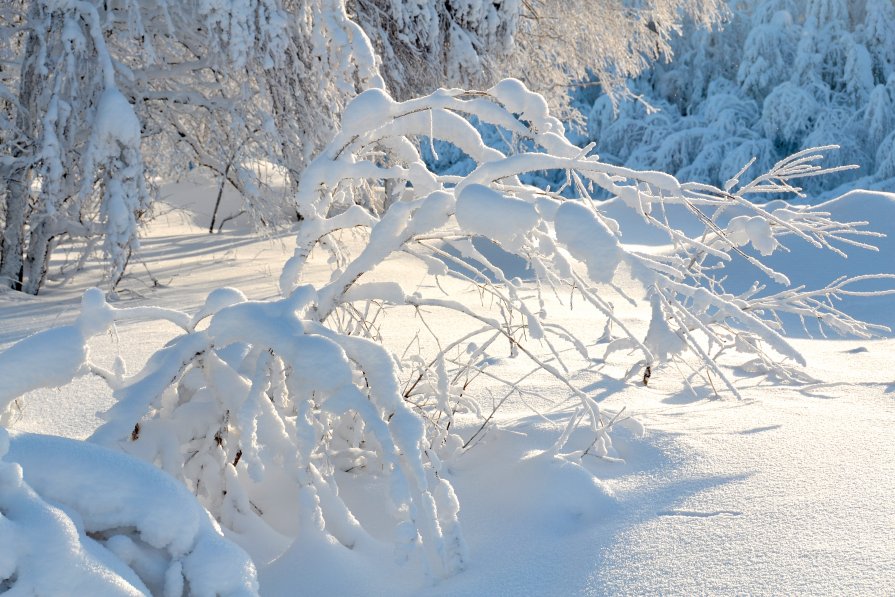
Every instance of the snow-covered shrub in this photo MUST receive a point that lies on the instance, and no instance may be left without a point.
(259, 406)
(268, 390)
(76, 519)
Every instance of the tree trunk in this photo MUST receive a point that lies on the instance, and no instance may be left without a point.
(37, 261)
(12, 241)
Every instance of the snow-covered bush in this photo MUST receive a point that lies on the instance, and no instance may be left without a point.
(79, 519)
(266, 389)
(258, 407)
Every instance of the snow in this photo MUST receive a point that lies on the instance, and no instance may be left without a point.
(367, 110)
(358, 425)
(486, 212)
(743, 230)
(786, 490)
(588, 238)
(24, 365)
(109, 512)
(528, 105)
(115, 123)
(774, 498)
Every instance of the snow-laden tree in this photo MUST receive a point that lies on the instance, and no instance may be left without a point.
(879, 117)
(103, 96)
(11, 138)
(249, 91)
(260, 407)
(545, 43)
(768, 55)
(75, 165)
(818, 71)
(425, 45)
(788, 116)
(820, 14)
(262, 83)
(325, 62)
(885, 157)
(878, 39)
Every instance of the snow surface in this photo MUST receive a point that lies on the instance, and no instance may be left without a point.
(786, 491)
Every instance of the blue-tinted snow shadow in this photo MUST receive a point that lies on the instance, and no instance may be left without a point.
(661, 500)
(25, 314)
(510, 264)
(755, 430)
(805, 264)
(537, 526)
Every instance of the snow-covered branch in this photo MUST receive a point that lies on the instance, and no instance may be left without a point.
(282, 395)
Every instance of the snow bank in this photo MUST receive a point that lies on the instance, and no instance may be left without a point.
(44, 552)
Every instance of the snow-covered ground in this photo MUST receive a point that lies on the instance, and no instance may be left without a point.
(787, 491)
